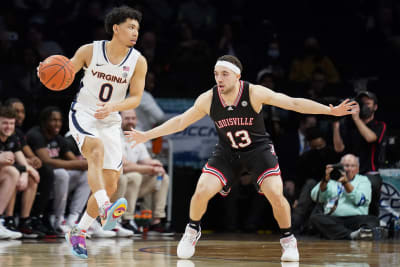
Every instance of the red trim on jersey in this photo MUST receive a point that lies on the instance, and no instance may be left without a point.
(373, 150)
(239, 95)
(383, 131)
(269, 172)
(208, 169)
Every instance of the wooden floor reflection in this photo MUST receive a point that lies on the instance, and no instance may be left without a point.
(212, 251)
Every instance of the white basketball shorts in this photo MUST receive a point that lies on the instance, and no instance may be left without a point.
(82, 123)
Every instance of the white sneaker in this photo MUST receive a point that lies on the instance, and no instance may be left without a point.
(186, 246)
(97, 231)
(289, 249)
(122, 232)
(8, 234)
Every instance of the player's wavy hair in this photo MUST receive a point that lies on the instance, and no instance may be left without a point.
(7, 112)
(118, 15)
(46, 113)
(232, 59)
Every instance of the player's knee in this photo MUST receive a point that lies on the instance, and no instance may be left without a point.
(111, 188)
(96, 154)
(276, 198)
(202, 193)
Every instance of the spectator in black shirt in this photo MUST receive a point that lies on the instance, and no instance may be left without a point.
(311, 166)
(363, 137)
(69, 172)
(28, 178)
(45, 171)
(19, 108)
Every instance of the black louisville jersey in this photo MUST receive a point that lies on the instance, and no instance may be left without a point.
(239, 127)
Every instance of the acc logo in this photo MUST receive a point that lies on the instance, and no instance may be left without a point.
(389, 204)
(124, 74)
(244, 103)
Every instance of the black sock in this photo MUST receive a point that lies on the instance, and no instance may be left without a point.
(285, 232)
(23, 220)
(194, 224)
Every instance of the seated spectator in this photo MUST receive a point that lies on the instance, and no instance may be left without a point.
(364, 136)
(45, 171)
(312, 59)
(9, 177)
(69, 172)
(346, 202)
(28, 177)
(310, 168)
(140, 179)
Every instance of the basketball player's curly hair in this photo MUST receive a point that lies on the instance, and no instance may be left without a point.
(232, 59)
(8, 112)
(118, 15)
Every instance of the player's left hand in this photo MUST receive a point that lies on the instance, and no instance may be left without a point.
(136, 137)
(345, 108)
(104, 111)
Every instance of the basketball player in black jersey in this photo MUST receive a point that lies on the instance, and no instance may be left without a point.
(235, 107)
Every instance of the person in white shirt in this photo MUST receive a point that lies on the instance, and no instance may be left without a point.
(140, 178)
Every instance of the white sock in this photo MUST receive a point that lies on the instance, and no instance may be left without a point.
(101, 197)
(85, 222)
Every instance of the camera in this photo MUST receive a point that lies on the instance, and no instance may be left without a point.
(337, 172)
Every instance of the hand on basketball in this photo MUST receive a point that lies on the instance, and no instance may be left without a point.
(136, 137)
(104, 111)
(345, 108)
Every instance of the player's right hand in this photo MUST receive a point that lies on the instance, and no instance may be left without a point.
(136, 137)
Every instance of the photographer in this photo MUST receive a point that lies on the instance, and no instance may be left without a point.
(346, 196)
(364, 137)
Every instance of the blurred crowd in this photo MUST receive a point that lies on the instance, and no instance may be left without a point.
(326, 51)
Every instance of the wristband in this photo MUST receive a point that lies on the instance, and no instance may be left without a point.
(20, 168)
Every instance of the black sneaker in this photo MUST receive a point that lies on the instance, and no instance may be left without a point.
(10, 224)
(27, 229)
(159, 229)
(40, 226)
(132, 226)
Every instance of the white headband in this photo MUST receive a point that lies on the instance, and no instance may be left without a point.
(229, 65)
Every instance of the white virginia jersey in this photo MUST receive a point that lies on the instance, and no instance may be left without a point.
(103, 81)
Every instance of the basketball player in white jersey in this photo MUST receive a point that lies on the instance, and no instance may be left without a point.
(111, 67)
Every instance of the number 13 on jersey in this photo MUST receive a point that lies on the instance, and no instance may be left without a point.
(244, 138)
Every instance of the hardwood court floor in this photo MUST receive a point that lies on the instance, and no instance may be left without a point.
(212, 251)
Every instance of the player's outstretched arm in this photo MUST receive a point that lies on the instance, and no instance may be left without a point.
(301, 105)
(175, 124)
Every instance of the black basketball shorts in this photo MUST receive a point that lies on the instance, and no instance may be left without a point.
(228, 165)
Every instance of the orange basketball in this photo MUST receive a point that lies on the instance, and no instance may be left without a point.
(56, 72)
